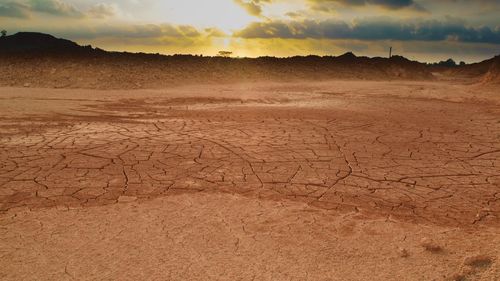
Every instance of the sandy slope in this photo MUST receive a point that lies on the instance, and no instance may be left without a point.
(493, 74)
(335, 180)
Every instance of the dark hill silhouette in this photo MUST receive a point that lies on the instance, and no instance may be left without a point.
(348, 57)
(28, 42)
(41, 60)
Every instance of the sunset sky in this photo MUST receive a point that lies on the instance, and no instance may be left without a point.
(424, 30)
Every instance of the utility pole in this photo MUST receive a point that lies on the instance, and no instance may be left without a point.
(390, 52)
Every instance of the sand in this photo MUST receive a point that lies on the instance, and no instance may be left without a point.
(333, 180)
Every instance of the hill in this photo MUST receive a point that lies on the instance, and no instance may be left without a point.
(39, 43)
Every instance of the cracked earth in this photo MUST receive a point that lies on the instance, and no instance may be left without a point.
(393, 158)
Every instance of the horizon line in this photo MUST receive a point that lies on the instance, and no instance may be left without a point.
(94, 47)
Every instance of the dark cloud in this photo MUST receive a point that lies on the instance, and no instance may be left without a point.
(14, 10)
(372, 30)
(394, 4)
(325, 5)
(254, 7)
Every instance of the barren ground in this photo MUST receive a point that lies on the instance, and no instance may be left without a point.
(341, 180)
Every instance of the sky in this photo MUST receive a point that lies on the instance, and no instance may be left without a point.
(424, 30)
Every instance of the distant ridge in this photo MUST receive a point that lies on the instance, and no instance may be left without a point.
(41, 60)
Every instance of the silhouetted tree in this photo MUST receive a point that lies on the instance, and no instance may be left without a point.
(446, 63)
(462, 63)
(225, 54)
(4, 33)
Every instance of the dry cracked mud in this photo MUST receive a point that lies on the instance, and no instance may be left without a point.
(410, 154)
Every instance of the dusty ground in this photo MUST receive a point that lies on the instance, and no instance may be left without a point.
(305, 181)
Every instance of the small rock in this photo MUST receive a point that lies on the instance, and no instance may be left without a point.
(403, 252)
(457, 277)
(126, 199)
(27, 85)
(478, 261)
(430, 245)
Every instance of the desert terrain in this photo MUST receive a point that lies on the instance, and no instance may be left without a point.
(132, 176)
(339, 180)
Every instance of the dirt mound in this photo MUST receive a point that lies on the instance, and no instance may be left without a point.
(485, 72)
(39, 60)
(493, 74)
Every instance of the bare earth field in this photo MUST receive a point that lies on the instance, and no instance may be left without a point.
(340, 180)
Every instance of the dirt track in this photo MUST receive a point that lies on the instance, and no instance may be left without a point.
(400, 159)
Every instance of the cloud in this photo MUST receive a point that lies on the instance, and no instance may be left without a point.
(136, 31)
(102, 11)
(54, 7)
(393, 4)
(214, 32)
(25, 9)
(253, 7)
(326, 5)
(163, 38)
(14, 10)
(431, 30)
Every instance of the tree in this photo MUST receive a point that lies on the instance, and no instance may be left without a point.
(4, 33)
(450, 62)
(225, 54)
(447, 63)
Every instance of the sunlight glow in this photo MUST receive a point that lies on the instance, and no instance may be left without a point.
(223, 14)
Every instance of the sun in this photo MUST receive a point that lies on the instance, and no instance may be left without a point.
(225, 15)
